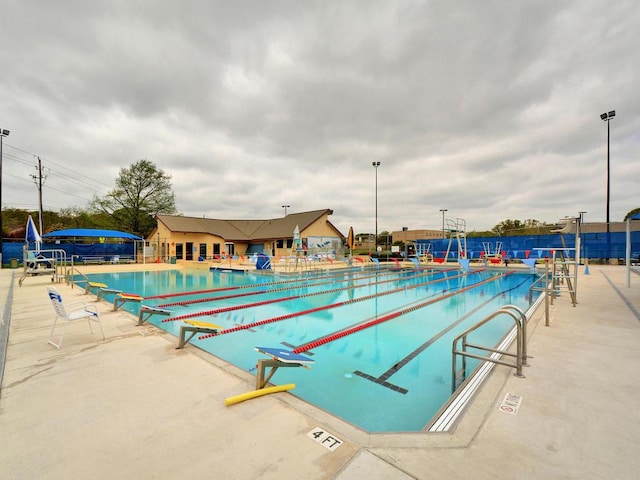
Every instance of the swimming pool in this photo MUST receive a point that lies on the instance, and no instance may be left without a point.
(381, 339)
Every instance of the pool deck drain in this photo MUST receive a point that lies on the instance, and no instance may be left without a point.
(133, 406)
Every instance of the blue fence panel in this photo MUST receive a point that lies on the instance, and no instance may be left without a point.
(13, 250)
(594, 245)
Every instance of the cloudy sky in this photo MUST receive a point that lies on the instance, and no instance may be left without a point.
(489, 109)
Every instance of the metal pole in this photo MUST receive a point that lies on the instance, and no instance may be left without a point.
(40, 210)
(547, 293)
(582, 249)
(443, 210)
(608, 177)
(375, 241)
(1, 137)
(607, 117)
(376, 237)
(3, 133)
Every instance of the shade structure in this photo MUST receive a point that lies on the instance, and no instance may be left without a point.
(31, 234)
(74, 235)
(92, 232)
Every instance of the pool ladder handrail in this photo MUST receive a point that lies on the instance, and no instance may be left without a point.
(71, 270)
(520, 320)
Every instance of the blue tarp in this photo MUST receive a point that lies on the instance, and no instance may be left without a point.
(594, 245)
(67, 239)
(91, 232)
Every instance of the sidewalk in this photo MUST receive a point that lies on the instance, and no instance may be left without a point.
(132, 406)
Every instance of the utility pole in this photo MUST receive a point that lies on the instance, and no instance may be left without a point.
(3, 133)
(38, 179)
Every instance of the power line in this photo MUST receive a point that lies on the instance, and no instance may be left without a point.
(59, 174)
(67, 173)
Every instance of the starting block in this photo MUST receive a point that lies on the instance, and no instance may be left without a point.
(279, 358)
(91, 285)
(123, 298)
(146, 312)
(194, 327)
(102, 291)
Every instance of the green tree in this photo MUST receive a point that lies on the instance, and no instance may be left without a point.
(506, 227)
(141, 192)
(511, 228)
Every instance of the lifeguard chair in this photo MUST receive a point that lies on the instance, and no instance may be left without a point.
(457, 230)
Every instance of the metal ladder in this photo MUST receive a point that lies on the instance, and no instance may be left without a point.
(496, 354)
(564, 274)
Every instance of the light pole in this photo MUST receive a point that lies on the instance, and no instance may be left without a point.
(285, 209)
(375, 239)
(3, 133)
(607, 118)
(443, 210)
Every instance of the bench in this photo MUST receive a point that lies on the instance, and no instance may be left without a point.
(121, 259)
(99, 259)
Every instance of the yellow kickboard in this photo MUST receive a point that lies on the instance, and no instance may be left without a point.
(97, 284)
(195, 323)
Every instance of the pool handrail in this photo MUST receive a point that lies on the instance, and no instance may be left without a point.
(520, 320)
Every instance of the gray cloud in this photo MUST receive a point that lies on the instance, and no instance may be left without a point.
(489, 109)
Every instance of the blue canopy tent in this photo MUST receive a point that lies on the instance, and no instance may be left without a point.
(72, 247)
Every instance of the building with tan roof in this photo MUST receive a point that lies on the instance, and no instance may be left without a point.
(193, 238)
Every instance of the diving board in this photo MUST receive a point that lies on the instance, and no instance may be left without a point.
(279, 358)
(195, 327)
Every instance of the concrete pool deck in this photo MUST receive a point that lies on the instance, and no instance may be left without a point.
(132, 406)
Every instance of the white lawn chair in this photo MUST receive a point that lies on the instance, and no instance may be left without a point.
(70, 312)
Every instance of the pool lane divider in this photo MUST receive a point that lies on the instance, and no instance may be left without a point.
(239, 287)
(362, 326)
(257, 292)
(292, 297)
(316, 309)
(383, 379)
(284, 289)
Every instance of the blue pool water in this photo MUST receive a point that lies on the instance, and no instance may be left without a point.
(392, 376)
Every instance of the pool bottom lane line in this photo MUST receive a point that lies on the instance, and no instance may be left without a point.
(361, 326)
(383, 379)
(302, 312)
